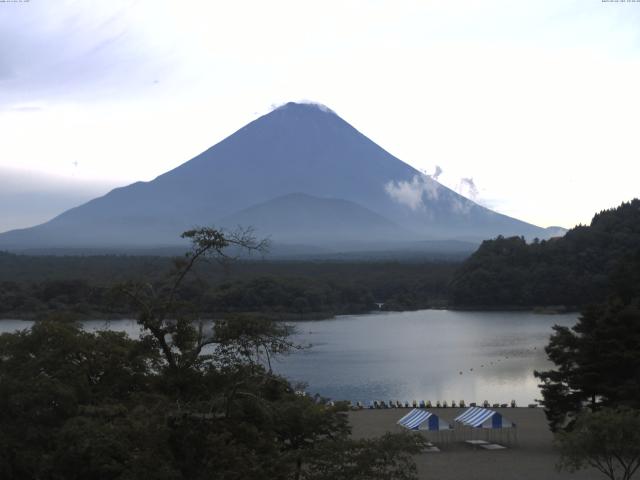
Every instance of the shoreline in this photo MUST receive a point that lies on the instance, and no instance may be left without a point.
(533, 457)
(306, 317)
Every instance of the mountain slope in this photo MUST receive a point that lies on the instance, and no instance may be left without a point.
(301, 218)
(296, 148)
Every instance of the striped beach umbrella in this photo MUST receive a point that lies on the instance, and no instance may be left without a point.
(495, 426)
(478, 417)
(418, 419)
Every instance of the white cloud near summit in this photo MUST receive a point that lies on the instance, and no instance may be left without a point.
(412, 193)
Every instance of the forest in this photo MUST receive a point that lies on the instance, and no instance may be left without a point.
(570, 271)
(87, 287)
(188, 400)
(566, 273)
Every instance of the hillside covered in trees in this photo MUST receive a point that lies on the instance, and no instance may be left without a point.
(33, 286)
(572, 271)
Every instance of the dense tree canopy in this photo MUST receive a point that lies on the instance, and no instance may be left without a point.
(187, 400)
(598, 360)
(32, 287)
(572, 270)
(607, 440)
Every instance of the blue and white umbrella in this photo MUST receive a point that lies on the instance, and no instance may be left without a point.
(419, 419)
(478, 417)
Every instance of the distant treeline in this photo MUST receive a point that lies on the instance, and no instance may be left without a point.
(573, 270)
(33, 286)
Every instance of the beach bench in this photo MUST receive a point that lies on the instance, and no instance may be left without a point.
(430, 448)
(476, 443)
(492, 446)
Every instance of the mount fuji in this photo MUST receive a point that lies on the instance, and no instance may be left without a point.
(300, 174)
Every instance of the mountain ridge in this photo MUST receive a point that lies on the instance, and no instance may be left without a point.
(306, 218)
(295, 148)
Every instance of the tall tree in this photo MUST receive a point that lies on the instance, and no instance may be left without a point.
(189, 400)
(607, 440)
(598, 360)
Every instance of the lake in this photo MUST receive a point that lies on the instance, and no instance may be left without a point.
(428, 354)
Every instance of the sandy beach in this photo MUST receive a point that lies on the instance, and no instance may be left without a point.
(532, 457)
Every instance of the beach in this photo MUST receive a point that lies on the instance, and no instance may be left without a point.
(532, 457)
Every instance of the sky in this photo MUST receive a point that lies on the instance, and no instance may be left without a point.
(528, 107)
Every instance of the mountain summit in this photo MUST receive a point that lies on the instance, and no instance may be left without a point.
(303, 149)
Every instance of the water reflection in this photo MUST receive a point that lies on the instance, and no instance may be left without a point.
(431, 354)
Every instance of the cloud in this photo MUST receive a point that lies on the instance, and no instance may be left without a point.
(320, 106)
(461, 205)
(411, 193)
(421, 189)
(69, 50)
(467, 188)
(14, 180)
(28, 198)
(93, 67)
(26, 108)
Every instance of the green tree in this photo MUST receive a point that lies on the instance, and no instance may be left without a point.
(608, 440)
(388, 457)
(168, 320)
(571, 270)
(54, 375)
(189, 400)
(598, 360)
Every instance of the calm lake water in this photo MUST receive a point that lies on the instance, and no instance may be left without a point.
(428, 354)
